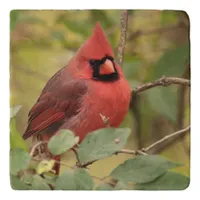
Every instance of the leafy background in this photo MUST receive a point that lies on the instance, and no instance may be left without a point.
(157, 44)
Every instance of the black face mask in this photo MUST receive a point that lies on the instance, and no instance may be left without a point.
(96, 64)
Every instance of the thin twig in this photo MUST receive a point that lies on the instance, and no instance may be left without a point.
(122, 43)
(85, 165)
(62, 163)
(181, 99)
(76, 154)
(33, 149)
(135, 108)
(125, 151)
(128, 151)
(166, 138)
(163, 81)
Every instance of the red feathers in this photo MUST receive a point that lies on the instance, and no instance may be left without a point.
(91, 84)
(44, 120)
(58, 101)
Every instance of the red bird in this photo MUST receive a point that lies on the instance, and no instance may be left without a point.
(91, 85)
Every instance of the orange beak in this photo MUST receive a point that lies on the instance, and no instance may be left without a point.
(107, 68)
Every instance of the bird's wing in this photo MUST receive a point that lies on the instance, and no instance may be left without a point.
(54, 105)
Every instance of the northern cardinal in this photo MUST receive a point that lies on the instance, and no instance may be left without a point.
(90, 85)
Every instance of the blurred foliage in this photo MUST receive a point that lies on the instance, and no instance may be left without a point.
(157, 44)
(16, 140)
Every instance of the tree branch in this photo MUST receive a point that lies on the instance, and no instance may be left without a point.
(122, 43)
(167, 137)
(163, 81)
(167, 143)
(143, 151)
(127, 151)
(181, 99)
(134, 107)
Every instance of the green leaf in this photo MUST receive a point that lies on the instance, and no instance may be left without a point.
(142, 169)
(19, 160)
(74, 180)
(39, 183)
(66, 181)
(102, 143)
(17, 184)
(168, 181)
(83, 180)
(16, 140)
(163, 101)
(36, 182)
(60, 143)
(14, 110)
(173, 62)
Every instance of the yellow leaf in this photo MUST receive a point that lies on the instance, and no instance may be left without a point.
(45, 166)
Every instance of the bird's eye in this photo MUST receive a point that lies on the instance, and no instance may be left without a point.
(92, 62)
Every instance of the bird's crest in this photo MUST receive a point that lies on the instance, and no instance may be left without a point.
(97, 46)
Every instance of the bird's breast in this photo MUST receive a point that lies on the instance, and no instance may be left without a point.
(110, 100)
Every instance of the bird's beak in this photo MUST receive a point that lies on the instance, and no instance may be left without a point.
(107, 67)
